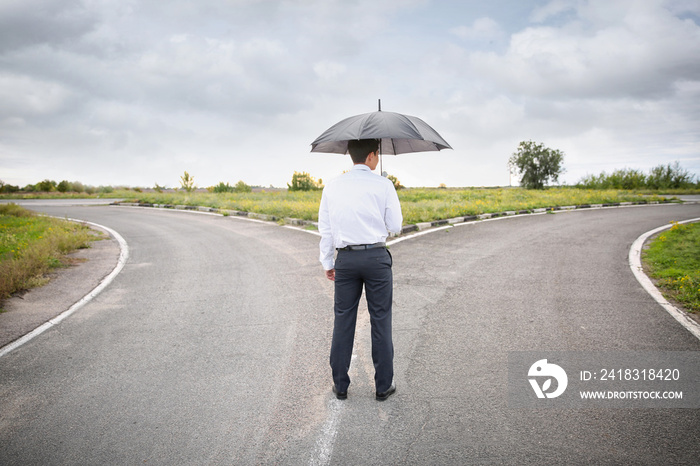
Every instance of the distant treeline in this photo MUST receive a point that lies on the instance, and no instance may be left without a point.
(48, 186)
(51, 186)
(671, 176)
(659, 178)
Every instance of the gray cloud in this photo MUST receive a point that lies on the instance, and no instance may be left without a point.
(136, 92)
(641, 55)
(23, 24)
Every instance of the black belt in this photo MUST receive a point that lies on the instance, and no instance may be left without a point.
(362, 247)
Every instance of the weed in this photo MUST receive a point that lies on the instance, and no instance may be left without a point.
(31, 245)
(674, 259)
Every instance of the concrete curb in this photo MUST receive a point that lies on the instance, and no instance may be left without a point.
(510, 213)
(224, 212)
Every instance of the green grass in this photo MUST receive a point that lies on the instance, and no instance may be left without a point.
(32, 245)
(418, 204)
(673, 258)
(293, 204)
(424, 205)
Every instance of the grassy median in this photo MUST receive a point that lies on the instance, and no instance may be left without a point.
(32, 245)
(673, 258)
(418, 204)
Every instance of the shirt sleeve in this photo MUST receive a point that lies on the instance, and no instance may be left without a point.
(324, 228)
(393, 218)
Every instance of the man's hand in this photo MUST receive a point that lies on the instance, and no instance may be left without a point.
(330, 274)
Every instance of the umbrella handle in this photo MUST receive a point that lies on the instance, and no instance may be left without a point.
(381, 166)
(381, 171)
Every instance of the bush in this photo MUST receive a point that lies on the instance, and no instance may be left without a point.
(63, 187)
(8, 188)
(241, 187)
(221, 188)
(671, 176)
(304, 182)
(45, 186)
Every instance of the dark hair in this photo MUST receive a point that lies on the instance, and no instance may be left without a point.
(360, 148)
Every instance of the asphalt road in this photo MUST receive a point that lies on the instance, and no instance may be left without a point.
(211, 347)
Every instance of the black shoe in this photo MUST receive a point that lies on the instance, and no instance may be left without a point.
(384, 395)
(340, 395)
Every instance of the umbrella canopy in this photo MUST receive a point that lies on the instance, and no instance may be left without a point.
(399, 134)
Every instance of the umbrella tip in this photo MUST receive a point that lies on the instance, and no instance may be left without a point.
(379, 104)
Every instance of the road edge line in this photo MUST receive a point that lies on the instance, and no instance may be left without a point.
(635, 263)
(121, 262)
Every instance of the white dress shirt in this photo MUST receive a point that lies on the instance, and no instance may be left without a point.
(358, 207)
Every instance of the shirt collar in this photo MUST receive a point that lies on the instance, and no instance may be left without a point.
(361, 166)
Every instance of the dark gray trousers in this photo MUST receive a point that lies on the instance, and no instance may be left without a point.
(353, 269)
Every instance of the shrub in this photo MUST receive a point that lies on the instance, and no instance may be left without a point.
(671, 176)
(46, 186)
(63, 187)
(222, 188)
(304, 182)
(241, 187)
(8, 188)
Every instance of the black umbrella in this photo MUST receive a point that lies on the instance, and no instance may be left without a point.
(399, 134)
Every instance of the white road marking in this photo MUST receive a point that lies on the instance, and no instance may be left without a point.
(324, 444)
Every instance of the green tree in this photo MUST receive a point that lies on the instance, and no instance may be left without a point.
(63, 187)
(46, 186)
(8, 188)
(304, 182)
(241, 187)
(536, 164)
(187, 182)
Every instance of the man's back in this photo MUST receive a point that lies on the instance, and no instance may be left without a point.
(357, 207)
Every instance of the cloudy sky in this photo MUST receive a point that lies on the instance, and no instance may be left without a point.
(129, 92)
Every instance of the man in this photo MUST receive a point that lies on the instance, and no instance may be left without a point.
(357, 211)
